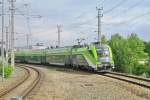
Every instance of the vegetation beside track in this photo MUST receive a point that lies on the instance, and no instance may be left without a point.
(7, 70)
(131, 54)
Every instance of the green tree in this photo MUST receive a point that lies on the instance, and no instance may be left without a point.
(137, 46)
(147, 47)
(117, 44)
(147, 50)
(126, 52)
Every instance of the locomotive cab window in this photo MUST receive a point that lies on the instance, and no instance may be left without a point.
(103, 53)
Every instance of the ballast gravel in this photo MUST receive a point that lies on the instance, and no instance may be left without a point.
(67, 84)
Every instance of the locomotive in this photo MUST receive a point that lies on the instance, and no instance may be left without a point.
(92, 57)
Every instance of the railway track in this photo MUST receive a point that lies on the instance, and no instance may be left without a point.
(139, 81)
(34, 83)
(31, 85)
(4, 92)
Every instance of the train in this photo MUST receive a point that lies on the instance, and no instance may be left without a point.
(93, 57)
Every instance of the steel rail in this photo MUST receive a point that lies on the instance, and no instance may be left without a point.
(6, 91)
(28, 89)
(130, 76)
(131, 80)
(34, 83)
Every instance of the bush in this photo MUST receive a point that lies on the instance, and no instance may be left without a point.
(147, 69)
(7, 70)
(139, 70)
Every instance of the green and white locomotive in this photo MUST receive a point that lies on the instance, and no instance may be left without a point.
(92, 57)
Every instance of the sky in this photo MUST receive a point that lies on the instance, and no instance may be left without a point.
(78, 19)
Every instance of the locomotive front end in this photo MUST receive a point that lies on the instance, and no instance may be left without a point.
(105, 57)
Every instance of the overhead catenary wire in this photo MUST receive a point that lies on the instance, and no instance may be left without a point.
(83, 23)
(133, 6)
(135, 22)
(108, 11)
(114, 7)
(134, 18)
(102, 3)
(77, 25)
(128, 9)
(28, 26)
(27, 17)
(130, 23)
(83, 14)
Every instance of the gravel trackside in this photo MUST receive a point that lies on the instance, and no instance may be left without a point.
(65, 84)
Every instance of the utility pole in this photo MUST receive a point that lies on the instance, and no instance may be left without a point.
(59, 30)
(27, 38)
(28, 26)
(7, 44)
(12, 33)
(100, 15)
(29, 32)
(9, 27)
(2, 42)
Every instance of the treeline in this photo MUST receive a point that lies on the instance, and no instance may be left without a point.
(131, 54)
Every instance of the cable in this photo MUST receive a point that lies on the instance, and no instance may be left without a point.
(102, 3)
(83, 13)
(129, 8)
(132, 19)
(135, 18)
(134, 25)
(133, 6)
(76, 25)
(116, 6)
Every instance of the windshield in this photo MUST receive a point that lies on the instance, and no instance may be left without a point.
(103, 53)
